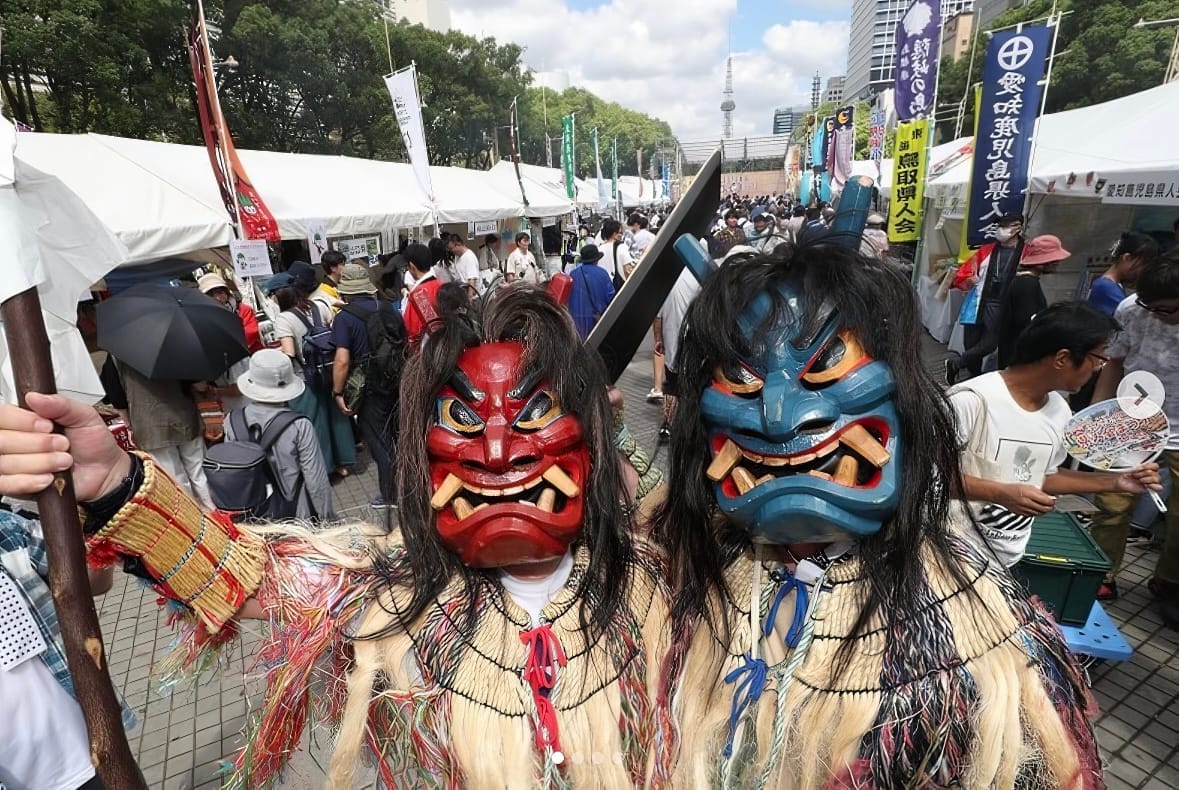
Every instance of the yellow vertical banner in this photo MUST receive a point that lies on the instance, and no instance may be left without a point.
(908, 181)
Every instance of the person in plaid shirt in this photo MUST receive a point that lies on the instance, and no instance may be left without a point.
(43, 741)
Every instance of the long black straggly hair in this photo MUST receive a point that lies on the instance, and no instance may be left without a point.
(874, 300)
(528, 315)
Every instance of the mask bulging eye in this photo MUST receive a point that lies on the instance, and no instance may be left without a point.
(738, 379)
(541, 409)
(841, 354)
(457, 416)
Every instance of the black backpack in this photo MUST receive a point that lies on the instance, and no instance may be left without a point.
(387, 344)
(242, 478)
(319, 351)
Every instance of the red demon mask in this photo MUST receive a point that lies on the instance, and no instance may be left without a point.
(507, 463)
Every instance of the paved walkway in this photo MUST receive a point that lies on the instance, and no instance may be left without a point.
(183, 739)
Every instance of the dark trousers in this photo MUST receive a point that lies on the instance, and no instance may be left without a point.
(378, 425)
(93, 784)
(980, 341)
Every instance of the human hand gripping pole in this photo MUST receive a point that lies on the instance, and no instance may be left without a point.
(40, 465)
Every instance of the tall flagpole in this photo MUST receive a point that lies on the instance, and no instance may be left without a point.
(222, 148)
(515, 151)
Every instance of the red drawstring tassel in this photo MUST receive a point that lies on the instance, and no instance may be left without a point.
(545, 656)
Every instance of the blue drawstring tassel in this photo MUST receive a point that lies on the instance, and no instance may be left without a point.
(789, 582)
(748, 691)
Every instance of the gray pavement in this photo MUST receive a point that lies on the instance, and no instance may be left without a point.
(183, 738)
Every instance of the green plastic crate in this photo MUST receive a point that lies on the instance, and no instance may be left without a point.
(1063, 566)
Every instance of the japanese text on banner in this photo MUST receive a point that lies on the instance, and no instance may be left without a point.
(908, 184)
(407, 108)
(1007, 117)
(918, 39)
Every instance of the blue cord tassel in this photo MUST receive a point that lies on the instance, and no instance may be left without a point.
(801, 604)
(748, 691)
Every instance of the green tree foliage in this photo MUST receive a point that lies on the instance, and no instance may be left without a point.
(309, 79)
(1107, 57)
(634, 130)
(98, 65)
(1101, 56)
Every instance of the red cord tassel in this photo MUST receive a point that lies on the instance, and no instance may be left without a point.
(545, 656)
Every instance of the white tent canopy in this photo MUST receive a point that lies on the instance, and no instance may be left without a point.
(1116, 138)
(940, 157)
(148, 200)
(543, 186)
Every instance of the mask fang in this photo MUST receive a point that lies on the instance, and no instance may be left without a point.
(859, 441)
(744, 479)
(846, 471)
(445, 492)
(563, 482)
(724, 462)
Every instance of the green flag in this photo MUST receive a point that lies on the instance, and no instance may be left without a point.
(567, 155)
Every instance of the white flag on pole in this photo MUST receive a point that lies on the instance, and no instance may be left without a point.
(603, 187)
(407, 107)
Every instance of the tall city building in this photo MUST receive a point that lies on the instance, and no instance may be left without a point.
(787, 119)
(433, 14)
(783, 121)
(871, 50)
(834, 91)
(956, 32)
(990, 10)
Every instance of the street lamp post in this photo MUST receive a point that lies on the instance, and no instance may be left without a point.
(1172, 73)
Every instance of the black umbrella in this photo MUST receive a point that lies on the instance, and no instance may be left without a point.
(169, 332)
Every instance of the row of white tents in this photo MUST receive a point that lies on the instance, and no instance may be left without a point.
(75, 207)
(151, 200)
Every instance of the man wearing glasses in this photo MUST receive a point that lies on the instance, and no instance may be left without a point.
(1149, 341)
(1011, 424)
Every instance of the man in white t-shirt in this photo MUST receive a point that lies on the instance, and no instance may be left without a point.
(521, 263)
(617, 260)
(1149, 341)
(642, 237)
(466, 264)
(1022, 437)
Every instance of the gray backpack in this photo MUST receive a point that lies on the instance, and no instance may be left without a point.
(242, 479)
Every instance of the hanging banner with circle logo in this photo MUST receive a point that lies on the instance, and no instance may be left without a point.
(1007, 117)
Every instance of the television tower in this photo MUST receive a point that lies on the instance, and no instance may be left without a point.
(728, 105)
(815, 92)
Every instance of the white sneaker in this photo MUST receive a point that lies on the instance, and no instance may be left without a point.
(654, 395)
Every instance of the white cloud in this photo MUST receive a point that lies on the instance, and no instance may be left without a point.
(667, 60)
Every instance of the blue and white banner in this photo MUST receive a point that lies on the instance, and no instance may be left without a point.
(666, 181)
(918, 37)
(1007, 117)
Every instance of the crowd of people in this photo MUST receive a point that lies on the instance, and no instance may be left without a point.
(550, 608)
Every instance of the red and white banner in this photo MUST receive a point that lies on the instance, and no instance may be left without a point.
(242, 201)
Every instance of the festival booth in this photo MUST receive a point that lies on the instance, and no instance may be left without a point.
(1097, 171)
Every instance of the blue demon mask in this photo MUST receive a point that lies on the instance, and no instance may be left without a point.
(803, 433)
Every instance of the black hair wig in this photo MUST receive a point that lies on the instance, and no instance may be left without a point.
(872, 299)
(528, 315)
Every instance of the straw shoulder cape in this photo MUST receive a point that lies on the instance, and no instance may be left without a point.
(438, 703)
(978, 690)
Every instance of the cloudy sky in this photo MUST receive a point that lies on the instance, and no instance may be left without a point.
(667, 57)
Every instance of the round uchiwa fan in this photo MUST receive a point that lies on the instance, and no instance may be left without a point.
(1106, 437)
